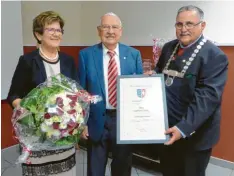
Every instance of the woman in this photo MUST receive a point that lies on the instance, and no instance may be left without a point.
(33, 69)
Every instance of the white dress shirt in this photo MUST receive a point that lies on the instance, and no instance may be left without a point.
(106, 59)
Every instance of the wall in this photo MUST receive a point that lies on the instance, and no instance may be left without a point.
(11, 38)
(225, 147)
(70, 12)
(141, 20)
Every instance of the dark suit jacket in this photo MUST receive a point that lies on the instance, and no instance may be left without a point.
(91, 76)
(194, 102)
(30, 72)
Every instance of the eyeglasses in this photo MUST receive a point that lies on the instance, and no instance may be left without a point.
(53, 30)
(187, 25)
(108, 27)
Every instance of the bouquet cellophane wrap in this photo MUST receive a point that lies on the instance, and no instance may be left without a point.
(52, 116)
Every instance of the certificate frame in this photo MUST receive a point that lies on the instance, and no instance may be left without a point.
(164, 104)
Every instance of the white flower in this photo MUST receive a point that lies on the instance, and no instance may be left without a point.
(56, 119)
(66, 107)
(48, 122)
(62, 125)
(75, 131)
(78, 108)
(44, 127)
(73, 118)
(79, 118)
(66, 118)
(56, 133)
(66, 134)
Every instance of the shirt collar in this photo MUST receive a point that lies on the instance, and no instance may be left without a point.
(184, 47)
(105, 50)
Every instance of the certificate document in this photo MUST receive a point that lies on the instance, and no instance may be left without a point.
(142, 110)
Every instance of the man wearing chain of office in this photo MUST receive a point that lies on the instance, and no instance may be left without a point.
(195, 75)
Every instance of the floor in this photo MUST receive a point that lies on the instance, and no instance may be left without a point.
(8, 167)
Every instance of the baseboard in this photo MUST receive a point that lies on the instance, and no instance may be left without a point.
(222, 163)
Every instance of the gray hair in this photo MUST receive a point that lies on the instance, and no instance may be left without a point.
(192, 8)
(111, 14)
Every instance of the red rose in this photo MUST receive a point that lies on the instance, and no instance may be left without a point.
(47, 116)
(56, 125)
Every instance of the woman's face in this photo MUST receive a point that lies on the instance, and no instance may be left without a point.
(52, 35)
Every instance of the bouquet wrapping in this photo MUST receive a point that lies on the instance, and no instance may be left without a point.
(52, 116)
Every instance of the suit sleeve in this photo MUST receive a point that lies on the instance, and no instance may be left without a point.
(20, 81)
(139, 67)
(208, 94)
(81, 70)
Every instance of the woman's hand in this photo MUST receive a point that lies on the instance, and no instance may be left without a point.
(77, 147)
(16, 102)
(85, 133)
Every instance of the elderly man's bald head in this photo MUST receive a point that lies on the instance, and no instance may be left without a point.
(111, 14)
(110, 30)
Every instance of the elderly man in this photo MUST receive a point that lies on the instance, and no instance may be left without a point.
(99, 66)
(195, 75)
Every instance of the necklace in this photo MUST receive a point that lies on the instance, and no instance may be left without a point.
(171, 74)
(46, 57)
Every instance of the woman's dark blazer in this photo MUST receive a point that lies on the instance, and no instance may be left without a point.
(30, 72)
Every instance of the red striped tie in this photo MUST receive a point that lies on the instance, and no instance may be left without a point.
(112, 79)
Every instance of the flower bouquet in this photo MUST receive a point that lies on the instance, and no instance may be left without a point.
(52, 116)
(157, 48)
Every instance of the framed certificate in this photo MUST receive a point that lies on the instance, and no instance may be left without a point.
(142, 111)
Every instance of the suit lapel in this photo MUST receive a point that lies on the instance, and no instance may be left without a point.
(98, 60)
(123, 53)
(40, 65)
(62, 65)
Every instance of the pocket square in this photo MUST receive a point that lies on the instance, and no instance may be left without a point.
(189, 76)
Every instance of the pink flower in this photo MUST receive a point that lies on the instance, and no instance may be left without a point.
(73, 97)
(59, 111)
(64, 132)
(72, 124)
(59, 102)
(72, 104)
(72, 111)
